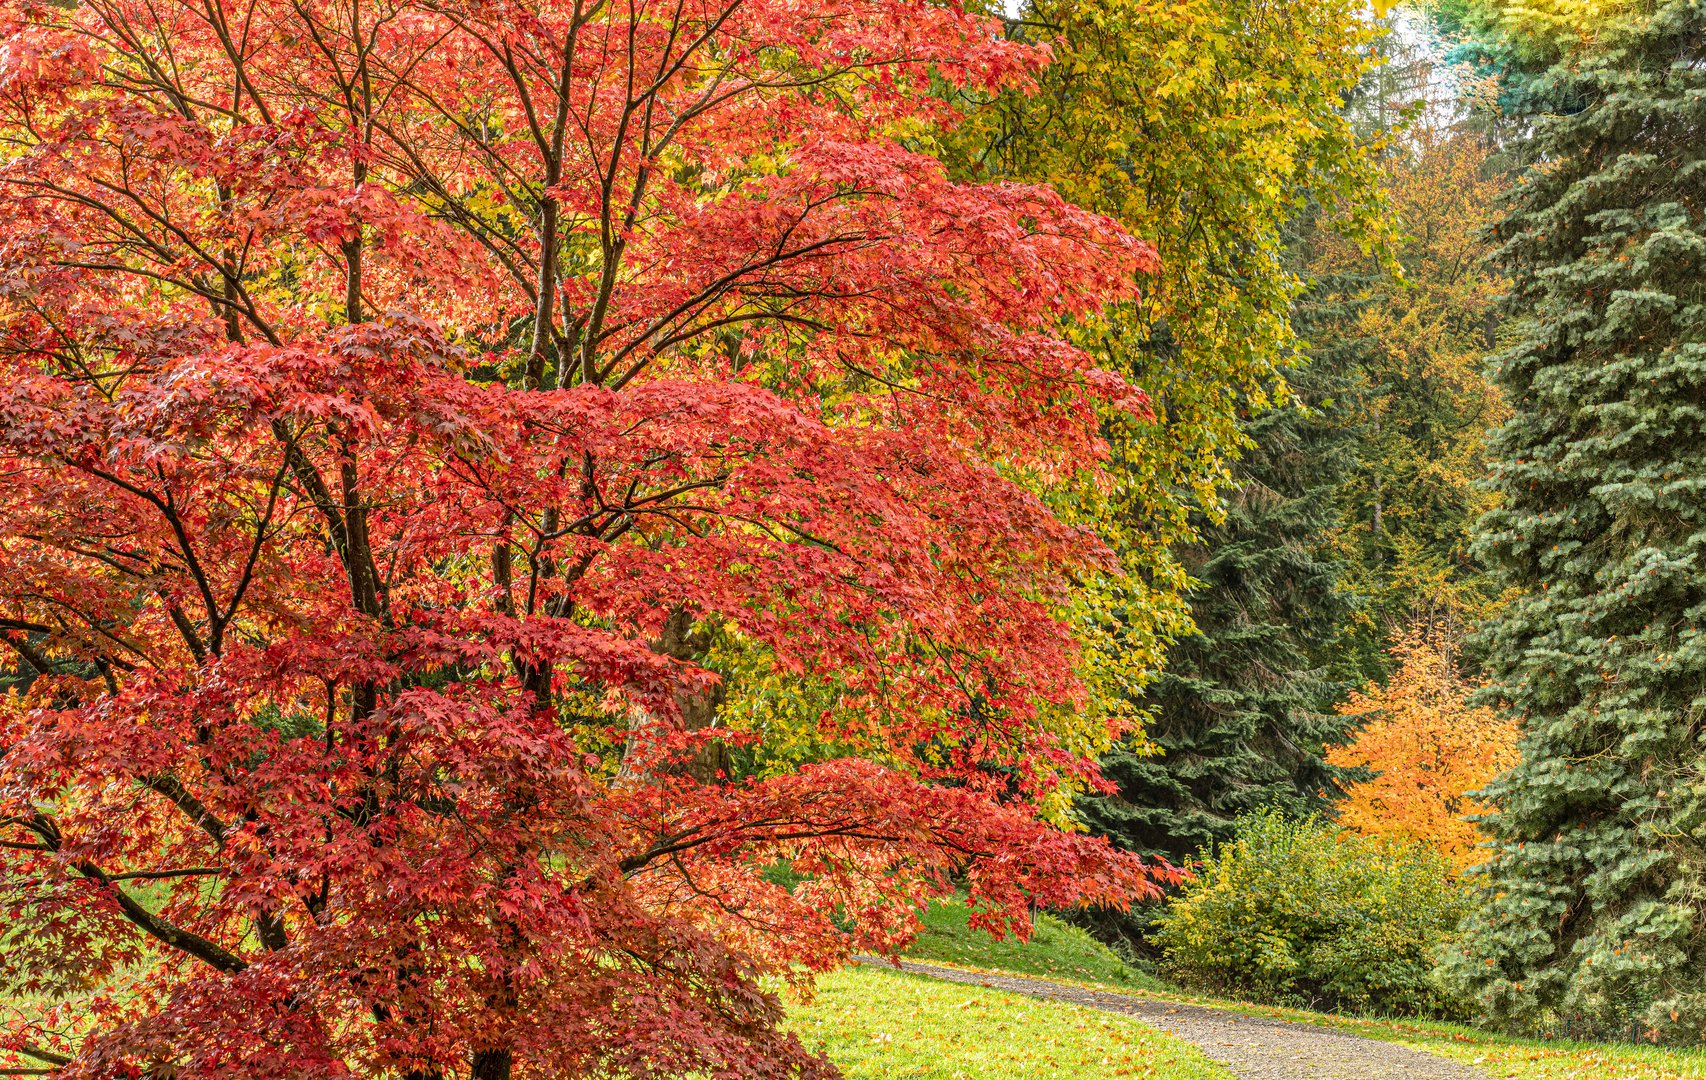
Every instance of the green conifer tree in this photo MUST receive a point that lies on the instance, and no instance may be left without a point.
(1243, 710)
(1596, 897)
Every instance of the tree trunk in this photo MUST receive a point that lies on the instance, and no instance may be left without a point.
(492, 1065)
(698, 707)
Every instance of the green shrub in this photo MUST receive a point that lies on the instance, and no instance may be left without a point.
(1301, 912)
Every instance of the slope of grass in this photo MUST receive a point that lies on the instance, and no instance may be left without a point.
(1056, 950)
(886, 1025)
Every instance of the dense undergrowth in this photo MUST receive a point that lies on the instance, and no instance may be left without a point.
(1304, 913)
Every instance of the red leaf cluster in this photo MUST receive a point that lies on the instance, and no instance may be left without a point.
(381, 382)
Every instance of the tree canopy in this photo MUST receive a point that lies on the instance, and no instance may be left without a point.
(389, 391)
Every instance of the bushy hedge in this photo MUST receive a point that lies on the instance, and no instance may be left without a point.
(1301, 912)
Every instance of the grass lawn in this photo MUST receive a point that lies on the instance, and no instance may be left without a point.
(1056, 950)
(879, 1025)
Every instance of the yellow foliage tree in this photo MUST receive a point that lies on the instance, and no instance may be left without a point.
(1569, 22)
(1542, 31)
(1407, 512)
(1428, 748)
(1205, 127)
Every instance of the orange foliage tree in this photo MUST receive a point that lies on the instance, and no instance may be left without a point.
(1428, 749)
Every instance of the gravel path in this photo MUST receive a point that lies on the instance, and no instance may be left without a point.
(1254, 1049)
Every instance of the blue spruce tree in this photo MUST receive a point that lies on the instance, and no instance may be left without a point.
(1596, 899)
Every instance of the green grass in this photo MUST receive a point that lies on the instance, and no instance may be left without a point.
(885, 1025)
(1056, 950)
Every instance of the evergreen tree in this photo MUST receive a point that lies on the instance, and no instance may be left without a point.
(1594, 900)
(1242, 713)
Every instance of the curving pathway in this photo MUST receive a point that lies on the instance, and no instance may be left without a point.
(1253, 1048)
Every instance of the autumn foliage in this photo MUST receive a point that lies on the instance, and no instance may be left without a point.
(384, 386)
(1428, 748)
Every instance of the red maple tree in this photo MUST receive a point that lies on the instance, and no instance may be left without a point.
(388, 388)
